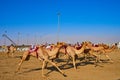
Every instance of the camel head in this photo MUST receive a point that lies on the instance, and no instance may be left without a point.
(60, 44)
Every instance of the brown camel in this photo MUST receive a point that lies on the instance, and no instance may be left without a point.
(5, 48)
(9, 50)
(72, 52)
(43, 55)
(12, 50)
(109, 50)
(100, 49)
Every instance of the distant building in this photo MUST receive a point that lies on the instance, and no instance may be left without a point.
(118, 45)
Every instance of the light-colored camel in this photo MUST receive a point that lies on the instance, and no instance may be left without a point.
(5, 48)
(109, 50)
(94, 49)
(12, 50)
(9, 50)
(43, 55)
(72, 52)
(100, 49)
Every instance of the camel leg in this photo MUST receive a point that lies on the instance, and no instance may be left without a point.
(109, 58)
(23, 59)
(19, 65)
(43, 66)
(8, 54)
(97, 58)
(68, 60)
(55, 66)
(73, 59)
(12, 54)
(85, 57)
(46, 63)
(74, 62)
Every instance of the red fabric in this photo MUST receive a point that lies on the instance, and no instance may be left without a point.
(78, 47)
(96, 45)
(30, 51)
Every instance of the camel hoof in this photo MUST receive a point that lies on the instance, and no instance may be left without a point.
(64, 75)
(75, 68)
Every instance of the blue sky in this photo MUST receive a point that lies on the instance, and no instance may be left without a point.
(37, 20)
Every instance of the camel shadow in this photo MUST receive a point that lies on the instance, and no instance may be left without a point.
(79, 62)
(64, 66)
(49, 68)
(30, 70)
(90, 61)
(59, 60)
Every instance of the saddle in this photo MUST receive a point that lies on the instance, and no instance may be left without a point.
(33, 50)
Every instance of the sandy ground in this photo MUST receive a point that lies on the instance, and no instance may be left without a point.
(31, 70)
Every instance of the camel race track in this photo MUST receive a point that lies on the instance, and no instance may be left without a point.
(31, 70)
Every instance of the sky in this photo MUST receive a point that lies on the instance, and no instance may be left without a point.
(36, 21)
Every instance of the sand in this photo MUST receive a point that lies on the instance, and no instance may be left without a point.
(31, 70)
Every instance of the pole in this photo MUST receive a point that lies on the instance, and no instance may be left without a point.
(27, 39)
(58, 25)
(18, 38)
(5, 38)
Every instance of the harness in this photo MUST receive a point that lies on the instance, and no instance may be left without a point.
(35, 50)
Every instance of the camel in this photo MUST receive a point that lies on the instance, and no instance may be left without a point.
(106, 51)
(9, 50)
(12, 50)
(43, 55)
(72, 52)
(101, 49)
(5, 48)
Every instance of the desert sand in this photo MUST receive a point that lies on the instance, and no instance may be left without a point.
(31, 70)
